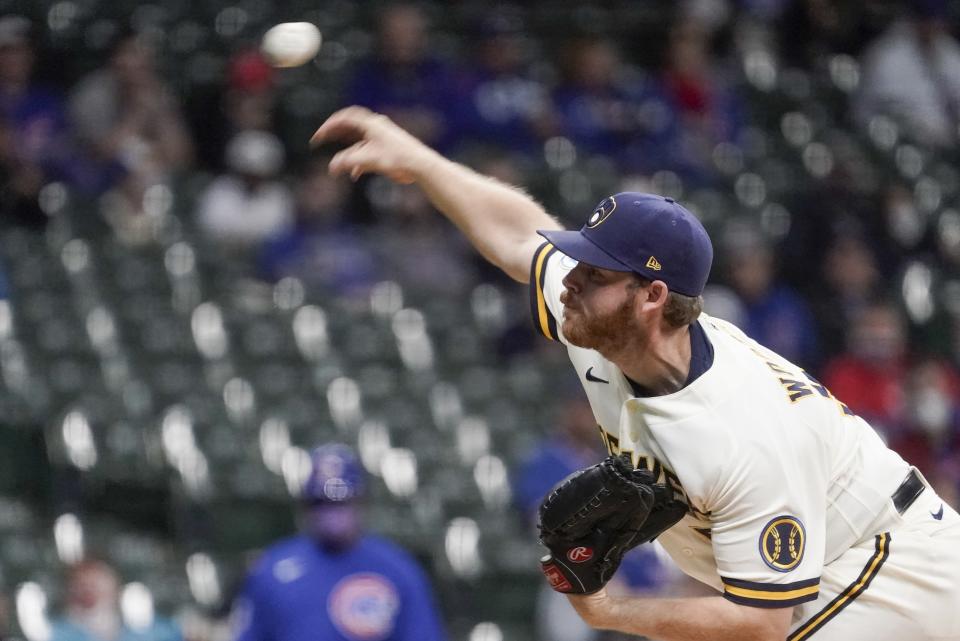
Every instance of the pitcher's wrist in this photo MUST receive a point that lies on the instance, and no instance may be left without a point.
(424, 163)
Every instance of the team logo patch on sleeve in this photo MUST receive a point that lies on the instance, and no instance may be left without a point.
(364, 606)
(782, 542)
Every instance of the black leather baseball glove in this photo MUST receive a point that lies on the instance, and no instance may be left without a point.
(594, 516)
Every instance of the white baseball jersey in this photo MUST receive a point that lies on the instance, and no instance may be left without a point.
(782, 479)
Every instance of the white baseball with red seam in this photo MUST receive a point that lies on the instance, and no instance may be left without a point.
(291, 44)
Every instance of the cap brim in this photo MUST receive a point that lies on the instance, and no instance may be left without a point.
(580, 248)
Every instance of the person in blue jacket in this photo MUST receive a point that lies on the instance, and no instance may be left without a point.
(334, 581)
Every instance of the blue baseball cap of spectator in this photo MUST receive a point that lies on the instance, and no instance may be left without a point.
(649, 235)
(336, 475)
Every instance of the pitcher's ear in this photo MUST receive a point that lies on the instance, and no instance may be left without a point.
(657, 292)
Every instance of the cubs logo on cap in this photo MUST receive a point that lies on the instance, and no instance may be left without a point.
(335, 475)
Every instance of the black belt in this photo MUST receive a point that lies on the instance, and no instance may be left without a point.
(908, 491)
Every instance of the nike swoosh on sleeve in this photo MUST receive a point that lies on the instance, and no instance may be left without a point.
(594, 379)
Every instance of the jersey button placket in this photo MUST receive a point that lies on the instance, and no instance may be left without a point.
(634, 419)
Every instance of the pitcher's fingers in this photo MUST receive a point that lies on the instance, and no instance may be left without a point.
(357, 155)
(338, 130)
(338, 164)
(347, 123)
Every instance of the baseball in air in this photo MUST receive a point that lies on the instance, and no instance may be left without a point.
(291, 44)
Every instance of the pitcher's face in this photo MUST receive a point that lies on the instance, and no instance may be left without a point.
(599, 308)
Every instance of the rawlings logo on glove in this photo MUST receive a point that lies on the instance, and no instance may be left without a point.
(594, 516)
(580, 554)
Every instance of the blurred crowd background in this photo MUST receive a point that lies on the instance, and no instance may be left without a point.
(190, 303)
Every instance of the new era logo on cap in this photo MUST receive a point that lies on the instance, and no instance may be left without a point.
(650, 235)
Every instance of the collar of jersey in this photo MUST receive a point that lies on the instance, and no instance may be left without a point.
(701, 359)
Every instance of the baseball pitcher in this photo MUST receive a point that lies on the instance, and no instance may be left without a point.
(752, 475)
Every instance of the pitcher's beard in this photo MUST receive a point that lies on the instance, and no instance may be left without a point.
(607, 334)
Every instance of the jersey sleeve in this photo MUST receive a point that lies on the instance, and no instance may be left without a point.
(248, 614)
(547, 271)
(418, 619)
(768, 533)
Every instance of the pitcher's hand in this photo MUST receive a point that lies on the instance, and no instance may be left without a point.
(378, 146)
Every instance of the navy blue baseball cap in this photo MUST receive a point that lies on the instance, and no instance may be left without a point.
(649, 235)
(336, 475)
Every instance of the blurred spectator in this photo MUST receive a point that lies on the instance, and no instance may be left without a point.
(248, 204)
(722, 302)
(776, 316)
(93, 610)
(324, 249)
(129, 123)
(946, 475)
(572, 445)
(912, 74)
(905, 223)
(764, 10)
(869, 376)
(334, 581)
(403, 81)
(701, 98)
(33, 132)
(247, 100)
(417, 249)
(811, 30)
(931, 432)
(251, 92)
(852, 280)
(499, 101)
(602, 106)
